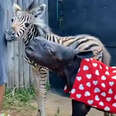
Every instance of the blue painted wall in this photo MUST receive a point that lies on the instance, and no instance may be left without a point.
(95, 17)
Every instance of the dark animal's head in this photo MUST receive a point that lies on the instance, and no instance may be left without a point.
(23, 20)
(52, 55)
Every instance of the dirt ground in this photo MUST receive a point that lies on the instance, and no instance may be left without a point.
(56, 102)
(56, 106)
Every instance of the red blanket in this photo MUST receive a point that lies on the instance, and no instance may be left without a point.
(95, 85)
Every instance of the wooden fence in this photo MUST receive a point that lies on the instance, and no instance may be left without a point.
(19, 72)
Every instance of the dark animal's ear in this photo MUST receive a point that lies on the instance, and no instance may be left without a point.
(85, 54)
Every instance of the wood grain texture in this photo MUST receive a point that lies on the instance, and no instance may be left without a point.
(19, 72)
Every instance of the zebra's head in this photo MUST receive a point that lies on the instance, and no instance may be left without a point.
(24, 21)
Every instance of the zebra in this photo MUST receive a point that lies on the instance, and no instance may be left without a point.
(28, 24)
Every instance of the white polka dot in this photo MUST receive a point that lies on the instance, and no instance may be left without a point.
(97, 72)
(97, 90)
(111, 83)
(88, 84)
(81, 87)
(110, 91)
(115, 97)
(101, 103)
(79, 78)
(73, 91)
(107, 73)
(94, 64)
(87, 59)
(108, 99)
(113, 77)
(113, 66)
(95, 82)
(97, 98)
(103, 85)
(114, 105)
(114, 71)
(90, 102)
(107, 108)
(100, 67)
(107, 67)
(103, 94)
(91, 58)
(85, 67)
(103, 77)
(89, 76)
(78, 95)
(87, 93)
(65, 88)
(79, 70)
(94, 106)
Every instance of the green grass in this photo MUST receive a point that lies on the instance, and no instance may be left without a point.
(22, 101)
(19, 98)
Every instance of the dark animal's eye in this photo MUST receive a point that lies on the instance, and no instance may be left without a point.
(26, 24)
(12, 20)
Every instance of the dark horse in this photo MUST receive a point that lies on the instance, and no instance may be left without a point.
(63, 60)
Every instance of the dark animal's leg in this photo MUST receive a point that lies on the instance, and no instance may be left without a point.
(108, 114)
(79, 108)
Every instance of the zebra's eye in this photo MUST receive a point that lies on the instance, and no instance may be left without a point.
(26, 24)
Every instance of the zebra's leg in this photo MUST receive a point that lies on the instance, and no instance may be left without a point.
(40, 78)
(106, 114)
(36, 84)
(79, 108)
(44, 75)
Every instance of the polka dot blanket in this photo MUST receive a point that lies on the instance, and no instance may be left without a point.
(95, 85)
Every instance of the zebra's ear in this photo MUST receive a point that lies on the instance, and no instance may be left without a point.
(31, 6)
(39, 11)
(16, 8)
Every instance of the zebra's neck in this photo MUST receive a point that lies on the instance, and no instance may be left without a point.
(53, 37)
(32, 32)
(35, 31)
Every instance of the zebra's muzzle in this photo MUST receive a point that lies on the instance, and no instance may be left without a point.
(10, 35)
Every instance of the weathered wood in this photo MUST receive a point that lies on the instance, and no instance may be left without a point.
(10, 47)
(19, 72)
(21, 65)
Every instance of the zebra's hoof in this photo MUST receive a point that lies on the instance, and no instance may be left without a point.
(39, 112)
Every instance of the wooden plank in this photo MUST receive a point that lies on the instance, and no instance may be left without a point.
(16, 65)
(26, 74)
(19, 72)
(10, 64)
(21, 64)
(10, 47)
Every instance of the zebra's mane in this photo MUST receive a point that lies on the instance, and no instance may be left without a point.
(43, 27)
(41, 24)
